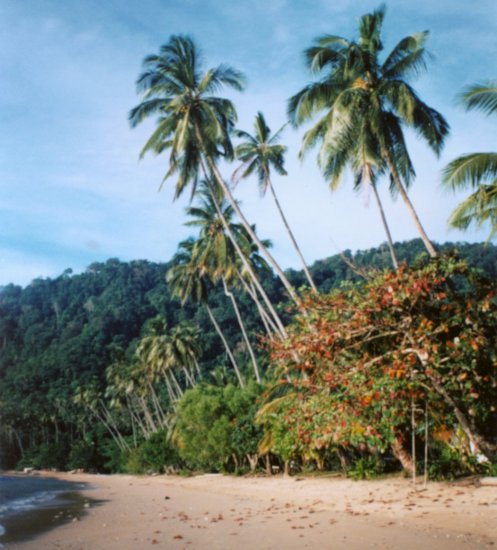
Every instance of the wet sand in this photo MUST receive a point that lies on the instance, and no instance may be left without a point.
(220, 512)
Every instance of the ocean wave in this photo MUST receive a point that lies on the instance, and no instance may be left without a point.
(26, 503)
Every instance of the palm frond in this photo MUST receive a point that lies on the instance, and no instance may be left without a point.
(407, 57)
(479, 208)
(470, 170)
(481, 96)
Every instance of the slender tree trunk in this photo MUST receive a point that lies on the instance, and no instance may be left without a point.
(269, 468)
(292, 237)
(227, 192)
(175, 382)
(413, 440)
(479, 442)
(116, 435)
(139, 421)
(172, 396)
(244, 332)
(247, 265)
(197, 367)
(385, 225)
(266, 318)
(149, 419)
(403, 193)
(155, 400)
(188, 377)
(19, 442)
(402, 455)
(427, 434)
(226, 346)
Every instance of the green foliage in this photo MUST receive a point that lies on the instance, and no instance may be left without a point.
(447, 463)
(153, 455)
(45, 456)
(60, 334)
(215, 425)
(366, 468)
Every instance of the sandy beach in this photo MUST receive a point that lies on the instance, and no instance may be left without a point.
(220, 512)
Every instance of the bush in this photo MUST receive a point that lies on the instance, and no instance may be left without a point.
(45, 456)
(366, 468)
(153, 455)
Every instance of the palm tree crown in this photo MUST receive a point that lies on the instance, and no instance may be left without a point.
(259, 153)
(478, 171)
(176, 91)
(364, 105)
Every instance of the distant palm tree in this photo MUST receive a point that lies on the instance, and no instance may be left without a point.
(216, 253)
(477, 171)
(361, 95)
(259, 153)
(193, 125)
(188, 280)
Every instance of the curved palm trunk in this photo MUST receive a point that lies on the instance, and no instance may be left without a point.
(403, 193)
(247, 265)
(292, 237)
(226, 346)
(172, 396)
(175, 382)
(155, 400)
(265, 317)
(217, 176)
(385, 225)
(188, 377)
(244, 332)
(197, 367)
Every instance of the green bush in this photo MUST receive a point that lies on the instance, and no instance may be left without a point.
(83, 455)
(153, 455)
(366, 468)
(447, 464)
(44, 456)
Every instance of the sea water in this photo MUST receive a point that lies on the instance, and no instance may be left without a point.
(30, 504)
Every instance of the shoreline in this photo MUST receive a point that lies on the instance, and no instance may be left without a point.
(218, 512)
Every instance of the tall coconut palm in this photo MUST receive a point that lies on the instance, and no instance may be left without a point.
(193, 125)
(358, 91)
(259, 153)
(477, 171)
(188, 280)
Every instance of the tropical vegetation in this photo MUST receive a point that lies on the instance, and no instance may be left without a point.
(220, 360)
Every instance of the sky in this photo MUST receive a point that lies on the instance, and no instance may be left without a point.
(73, 190)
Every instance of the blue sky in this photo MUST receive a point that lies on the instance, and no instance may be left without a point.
(72, 190)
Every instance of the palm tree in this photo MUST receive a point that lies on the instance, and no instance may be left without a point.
(477, 171)
(188, 280)
(258, 154)
(154, 352)
(216, 252)
(184, 346)
(192, 124)
(358, 93)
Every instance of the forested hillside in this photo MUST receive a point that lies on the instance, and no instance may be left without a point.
(58, 337)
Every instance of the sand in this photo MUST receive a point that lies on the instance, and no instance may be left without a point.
(221, 512)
